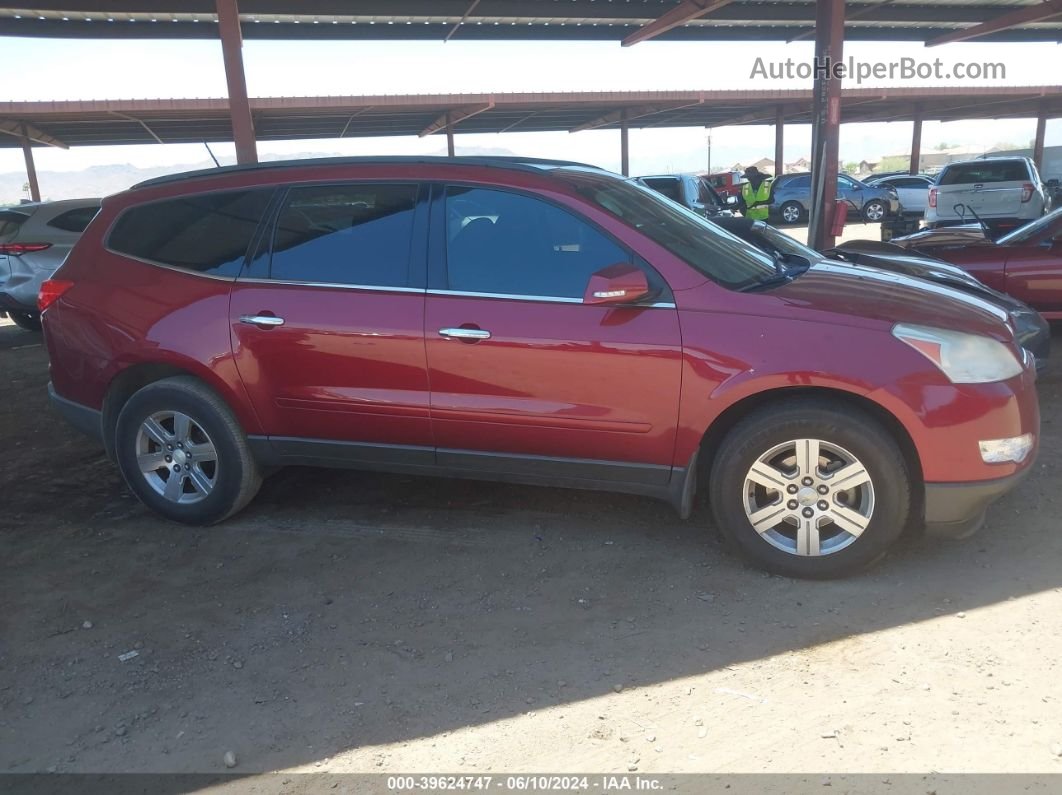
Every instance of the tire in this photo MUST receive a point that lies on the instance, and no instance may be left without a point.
(30, 321)
(874, 211)
(208, 491)
(791, 212)
(846, 435)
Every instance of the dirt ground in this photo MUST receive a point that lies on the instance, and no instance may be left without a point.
(357, 622)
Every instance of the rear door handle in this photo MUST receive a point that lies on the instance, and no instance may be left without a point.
(464, 333)
(262, 320)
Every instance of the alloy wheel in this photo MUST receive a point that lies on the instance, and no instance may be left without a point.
(176, 457)
(808, 497)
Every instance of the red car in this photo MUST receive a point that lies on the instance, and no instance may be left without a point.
(529, 321)
(1026, 263)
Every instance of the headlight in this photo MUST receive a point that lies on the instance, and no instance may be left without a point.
(963, 358)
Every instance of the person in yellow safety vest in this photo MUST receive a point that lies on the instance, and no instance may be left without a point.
(755, 194)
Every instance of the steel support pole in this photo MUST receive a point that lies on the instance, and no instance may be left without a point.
(779, 136)
(829, 51)
(31, 169)
(1038, 142)
(449, 136)
(625, 150)
(239, 106)
(916, 145)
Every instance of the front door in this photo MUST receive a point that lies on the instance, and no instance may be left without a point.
(524, 376)
(328, 325)
(1034, 275)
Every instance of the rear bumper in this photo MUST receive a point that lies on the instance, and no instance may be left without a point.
(85, 419)
(8, 303)
(957, 510)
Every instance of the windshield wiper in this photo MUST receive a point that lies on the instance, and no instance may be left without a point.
(786, 273)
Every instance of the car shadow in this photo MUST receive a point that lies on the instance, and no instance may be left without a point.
(348, 610)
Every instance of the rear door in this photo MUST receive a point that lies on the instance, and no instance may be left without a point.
(525, 377)
(327, 324)
(913, 192)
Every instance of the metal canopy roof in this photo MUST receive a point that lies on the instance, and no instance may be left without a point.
(611, 20)
(112, 122)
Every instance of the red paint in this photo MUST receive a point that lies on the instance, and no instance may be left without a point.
(613, 383)
(1030, 271)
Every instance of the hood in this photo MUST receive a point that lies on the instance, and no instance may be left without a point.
(888, 257)
(945, 237)
(890, 298)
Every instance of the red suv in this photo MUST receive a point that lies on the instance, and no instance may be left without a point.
(531, 321)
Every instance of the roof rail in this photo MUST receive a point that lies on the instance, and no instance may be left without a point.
(496, 161)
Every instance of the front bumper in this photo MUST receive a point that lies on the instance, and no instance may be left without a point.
(957, 510)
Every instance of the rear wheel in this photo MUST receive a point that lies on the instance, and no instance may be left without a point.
(30, 321)
(182, 452)
(792, 212)
(815, 489)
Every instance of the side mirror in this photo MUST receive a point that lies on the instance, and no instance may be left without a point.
(732, 201)
(616, 284)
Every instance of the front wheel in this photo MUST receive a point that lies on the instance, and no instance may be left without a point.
(182, 452)
(874, 211)
(813, 489)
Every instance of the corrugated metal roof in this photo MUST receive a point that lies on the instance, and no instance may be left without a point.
(110, 122)
(506, 19)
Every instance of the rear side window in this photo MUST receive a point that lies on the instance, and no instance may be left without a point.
(10, 223)
(801, 182)
(669, 186)
(986, 171)
(207, 233)
(358, 234)
(74, 220)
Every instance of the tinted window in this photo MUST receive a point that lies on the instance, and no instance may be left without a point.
(709, 249)
(669, 186)
(906, 182)
(499, 242)
(208, 233)
(801, 183)
(357, 234)
(74, 220)
(10, 222)
(985, 171)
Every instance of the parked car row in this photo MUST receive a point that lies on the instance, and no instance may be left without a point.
(35, 238)
(533, 321)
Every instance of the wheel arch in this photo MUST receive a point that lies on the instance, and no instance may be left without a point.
(134, 377)
(737, 411)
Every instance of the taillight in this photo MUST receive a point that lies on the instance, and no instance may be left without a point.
(932, 197)
(1026, 192)
(50, 292)
(18, 249)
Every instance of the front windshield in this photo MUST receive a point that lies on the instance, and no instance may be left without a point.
(1030, 230)
(783, 243)
(712, 251)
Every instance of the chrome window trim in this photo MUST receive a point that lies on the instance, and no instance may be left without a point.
(174, 268)
(545, 299)
(371, 287)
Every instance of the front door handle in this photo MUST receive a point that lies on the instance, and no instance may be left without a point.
(464, 333)
(262, 320)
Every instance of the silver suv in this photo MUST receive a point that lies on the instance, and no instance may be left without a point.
(1004, 192)
(34, 241)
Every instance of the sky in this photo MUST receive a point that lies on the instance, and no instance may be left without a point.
(105, 69)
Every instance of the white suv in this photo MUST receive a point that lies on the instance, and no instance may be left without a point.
(1004, 192)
